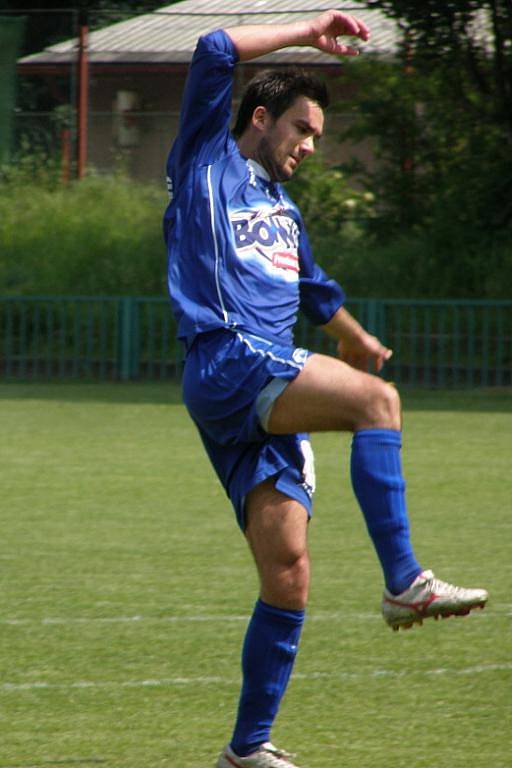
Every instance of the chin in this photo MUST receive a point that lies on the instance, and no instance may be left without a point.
(285, 174)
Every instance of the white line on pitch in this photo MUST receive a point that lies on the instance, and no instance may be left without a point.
(48, 621)
(216, 680)
(138, 619)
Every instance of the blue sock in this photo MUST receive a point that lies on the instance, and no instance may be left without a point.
(268, 655)
(380, 490)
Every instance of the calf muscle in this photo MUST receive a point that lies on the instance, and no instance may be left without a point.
(277, 535)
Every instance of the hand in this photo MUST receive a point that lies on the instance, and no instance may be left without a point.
(360, 353)
(326, 28)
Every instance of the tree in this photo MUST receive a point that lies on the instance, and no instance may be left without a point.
(441, 118)
(442, 112)
(470, 39)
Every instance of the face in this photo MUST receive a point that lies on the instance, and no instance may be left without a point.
(285, 142)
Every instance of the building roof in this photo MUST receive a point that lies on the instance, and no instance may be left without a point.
(169, 35)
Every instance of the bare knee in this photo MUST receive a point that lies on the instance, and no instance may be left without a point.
(381, 408)
(285, 583)
(277, 534)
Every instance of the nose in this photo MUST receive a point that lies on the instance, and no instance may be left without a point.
(307, 147)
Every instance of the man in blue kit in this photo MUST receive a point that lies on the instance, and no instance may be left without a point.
(240, 268)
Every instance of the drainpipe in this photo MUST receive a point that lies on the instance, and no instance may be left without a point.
(83, 102)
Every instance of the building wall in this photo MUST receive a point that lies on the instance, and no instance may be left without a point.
(138, 140)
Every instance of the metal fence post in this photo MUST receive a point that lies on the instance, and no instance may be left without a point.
(126, 316)
(371, 322)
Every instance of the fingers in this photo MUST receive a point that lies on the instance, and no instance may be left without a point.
(379, 363)
(330, 25)
(380, 357)
(350, 25)
(331, 45)
(363, 360)
(358, 361)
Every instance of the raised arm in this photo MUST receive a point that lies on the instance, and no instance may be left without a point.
(321, 32)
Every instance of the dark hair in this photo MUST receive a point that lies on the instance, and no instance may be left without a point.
(277, 90)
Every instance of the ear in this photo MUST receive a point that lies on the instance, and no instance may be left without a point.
(260, 118)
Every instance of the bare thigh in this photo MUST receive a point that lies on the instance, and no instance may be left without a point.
(277, 534)
(331, 395)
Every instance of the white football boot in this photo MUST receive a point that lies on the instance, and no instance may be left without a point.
(426, 597)
(266, 756)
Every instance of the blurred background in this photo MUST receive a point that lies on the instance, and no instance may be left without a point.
(410, 199)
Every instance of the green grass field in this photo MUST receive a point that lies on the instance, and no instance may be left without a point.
(126, 586)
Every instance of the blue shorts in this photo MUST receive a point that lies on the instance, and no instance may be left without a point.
(230, 382)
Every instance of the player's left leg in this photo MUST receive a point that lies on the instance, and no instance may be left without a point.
(330, 395)
(277, 534)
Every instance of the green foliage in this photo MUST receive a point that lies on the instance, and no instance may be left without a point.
(99, 236)
(440, 118)
(102, 236)
(329, 204)
(418, 265)
(438, 166)
(374, 246)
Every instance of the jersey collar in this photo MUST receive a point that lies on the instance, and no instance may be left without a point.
(258, 169)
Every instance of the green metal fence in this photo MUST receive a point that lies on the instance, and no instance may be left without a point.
(436, 343)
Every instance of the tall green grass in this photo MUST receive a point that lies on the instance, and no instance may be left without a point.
(102, 235)
(126, 586)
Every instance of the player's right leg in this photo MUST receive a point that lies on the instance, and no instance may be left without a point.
(276, 528)
(330, 395)
(230, 380)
